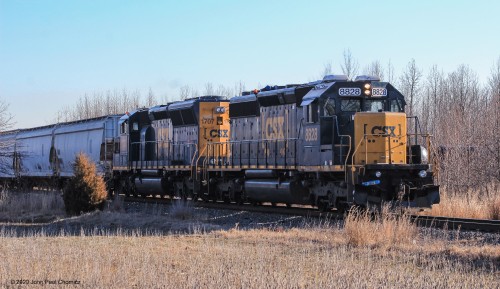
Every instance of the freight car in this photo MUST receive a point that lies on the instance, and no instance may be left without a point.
(44, 156)
(329, 143)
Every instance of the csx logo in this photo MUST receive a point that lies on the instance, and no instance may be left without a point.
(219, 133)
(274, 127)
(384, 130)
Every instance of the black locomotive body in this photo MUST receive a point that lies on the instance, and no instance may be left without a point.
(330, 143)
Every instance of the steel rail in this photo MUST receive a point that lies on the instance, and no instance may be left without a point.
(481, 225)
(268, 209)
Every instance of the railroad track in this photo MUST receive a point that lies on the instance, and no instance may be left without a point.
(267, 209)
(457, 223)
(421, 220)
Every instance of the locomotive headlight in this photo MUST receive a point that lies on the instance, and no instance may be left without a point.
(367, 92)
(424, 156)
(378, 174)
(368, 86)
(422, 174)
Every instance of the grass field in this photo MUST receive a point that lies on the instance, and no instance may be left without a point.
(362, 253)
(473, 203)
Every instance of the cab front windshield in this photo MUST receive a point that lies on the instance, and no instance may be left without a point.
(373, 105)
(369, 105)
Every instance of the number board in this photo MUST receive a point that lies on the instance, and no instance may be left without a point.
(349, 91)
(379, 91)
(220, 110)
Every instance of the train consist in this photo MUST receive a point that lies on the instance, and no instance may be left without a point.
(331, 143)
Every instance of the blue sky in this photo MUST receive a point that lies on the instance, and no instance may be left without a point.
(52, 52)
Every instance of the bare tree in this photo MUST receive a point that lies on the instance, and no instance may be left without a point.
(7, 140)
(375, 69)
(239, 87)
(150, 98)
(185, 92)
(410, 83)
(434, 93)
(327, 69)
(390, 72)
(494, 109)
(224, 91)
(6, 119)
(136, 99)
(125, 100)
(350, 66)
(209, 89)
(464, 87)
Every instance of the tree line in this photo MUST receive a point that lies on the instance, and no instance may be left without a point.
(122, 101)
(460, 112)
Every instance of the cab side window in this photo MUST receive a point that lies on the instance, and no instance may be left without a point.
(396, 106)
(311, 113)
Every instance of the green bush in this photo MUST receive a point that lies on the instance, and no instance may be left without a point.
(86, 191)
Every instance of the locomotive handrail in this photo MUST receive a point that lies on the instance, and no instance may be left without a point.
(198, 160)
(427, 137)
(347, 156)
(366, 151)
(417, 127)
(171, 146)
(273, 142)
(192, 160)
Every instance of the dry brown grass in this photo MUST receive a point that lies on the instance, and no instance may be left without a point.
(365, 253)
(473, 203)
(30, 206)
(380, 229)
(296, 258)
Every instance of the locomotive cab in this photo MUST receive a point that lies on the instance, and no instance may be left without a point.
(362, 125)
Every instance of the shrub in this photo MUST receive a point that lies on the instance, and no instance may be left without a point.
(86, 191)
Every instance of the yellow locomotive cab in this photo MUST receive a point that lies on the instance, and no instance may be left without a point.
(214, 128)
(380, 138)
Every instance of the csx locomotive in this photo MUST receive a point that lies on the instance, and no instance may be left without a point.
(331, 143)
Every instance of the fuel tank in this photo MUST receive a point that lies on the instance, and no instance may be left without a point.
(260, 174)
(267, 190)
(150, 185)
